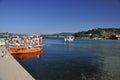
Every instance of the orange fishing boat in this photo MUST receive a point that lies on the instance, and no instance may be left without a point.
(14, 50)
(26, 45)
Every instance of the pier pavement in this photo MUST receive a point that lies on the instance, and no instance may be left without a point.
(10, 69)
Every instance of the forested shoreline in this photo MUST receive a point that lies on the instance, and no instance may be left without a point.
(98, 33)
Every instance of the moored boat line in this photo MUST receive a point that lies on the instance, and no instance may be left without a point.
(25, 44)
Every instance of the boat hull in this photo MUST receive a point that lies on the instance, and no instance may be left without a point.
(24, 56)
(13, 50)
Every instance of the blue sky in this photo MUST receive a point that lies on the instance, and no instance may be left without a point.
(55, 16)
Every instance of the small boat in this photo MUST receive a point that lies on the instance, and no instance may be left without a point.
(68, 38)
(26, 45)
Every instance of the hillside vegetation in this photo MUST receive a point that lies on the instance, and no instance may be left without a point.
(99, 33)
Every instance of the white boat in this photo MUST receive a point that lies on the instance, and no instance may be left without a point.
(68, 38)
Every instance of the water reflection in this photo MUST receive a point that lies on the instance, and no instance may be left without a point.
(24, 56)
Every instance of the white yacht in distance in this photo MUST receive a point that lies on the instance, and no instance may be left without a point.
(68, 38)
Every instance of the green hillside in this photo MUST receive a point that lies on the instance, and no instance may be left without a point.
(99, 33)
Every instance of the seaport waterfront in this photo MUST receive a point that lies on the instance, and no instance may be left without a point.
(82, 59)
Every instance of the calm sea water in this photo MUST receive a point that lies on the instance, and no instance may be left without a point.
(82, 59)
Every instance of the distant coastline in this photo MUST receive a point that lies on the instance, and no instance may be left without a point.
(98, 33)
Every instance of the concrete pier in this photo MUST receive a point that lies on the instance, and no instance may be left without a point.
(10, 69)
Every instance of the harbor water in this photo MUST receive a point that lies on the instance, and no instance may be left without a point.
(82, 59)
